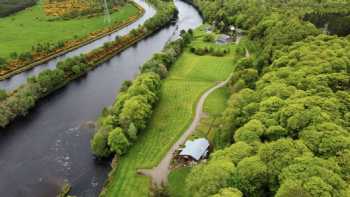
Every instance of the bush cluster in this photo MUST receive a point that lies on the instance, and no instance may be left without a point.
(214, 51)
(209, 37)
(167, 11)
(119, 125)
(24, 98)
(128, 115)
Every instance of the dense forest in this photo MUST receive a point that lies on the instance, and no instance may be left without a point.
(286, 129)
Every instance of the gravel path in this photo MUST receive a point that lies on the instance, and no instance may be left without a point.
(160, 173)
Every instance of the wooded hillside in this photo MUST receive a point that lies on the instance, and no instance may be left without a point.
(286, 130)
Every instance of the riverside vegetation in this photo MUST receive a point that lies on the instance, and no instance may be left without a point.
(285, 130)
(18, 102)
(18, 53)
(188, 77)
(121, 124)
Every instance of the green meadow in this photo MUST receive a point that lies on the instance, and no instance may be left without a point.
(27, 28)
(216, 102)
(177, 182)
(189, 77)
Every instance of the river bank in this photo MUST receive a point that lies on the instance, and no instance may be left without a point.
(18, 66)
(15, 81)
(21, 100)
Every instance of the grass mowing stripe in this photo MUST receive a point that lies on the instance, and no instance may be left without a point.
(165, 127)
(206, 68)
(188, 79)
(177, 180)
(216, 102)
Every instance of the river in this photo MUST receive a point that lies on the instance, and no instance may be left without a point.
(20, 78)
(52, 143)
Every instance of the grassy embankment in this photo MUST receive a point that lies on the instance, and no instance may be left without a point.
(188, 79)
(31, 27)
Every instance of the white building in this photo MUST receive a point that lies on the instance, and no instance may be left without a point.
(196, 149)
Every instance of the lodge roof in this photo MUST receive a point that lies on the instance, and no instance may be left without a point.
(223, 38)
(196, 148)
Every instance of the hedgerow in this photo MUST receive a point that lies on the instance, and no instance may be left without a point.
(135, 102)
(20, 101)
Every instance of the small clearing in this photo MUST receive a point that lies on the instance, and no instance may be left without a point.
(160, 173)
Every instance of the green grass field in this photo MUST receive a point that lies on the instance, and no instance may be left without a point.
(188, 79)
(216, 102)
(177, 184)
(213, 107)
(21, 31)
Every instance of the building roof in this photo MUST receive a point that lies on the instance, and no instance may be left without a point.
(196, 148)
(223, 38)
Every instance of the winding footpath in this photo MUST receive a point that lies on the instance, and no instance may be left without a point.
(159, 174)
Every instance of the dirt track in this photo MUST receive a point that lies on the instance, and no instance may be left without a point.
(160, 173)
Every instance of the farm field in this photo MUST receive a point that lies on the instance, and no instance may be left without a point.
(34, 24)
(189, 77)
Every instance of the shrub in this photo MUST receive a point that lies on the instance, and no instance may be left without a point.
(209, 37)
(132, 132)
(208, 179)
(3, 94)
(13, 55)
(136, 110)
(99, 144)
(2, 62)
(26, 56)
(76, 69)
(117, 141)
(219, 52)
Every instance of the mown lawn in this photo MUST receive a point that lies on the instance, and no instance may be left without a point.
(216, 102)
(177, 182)
(189, 77)
(21, 31)
(9, 7)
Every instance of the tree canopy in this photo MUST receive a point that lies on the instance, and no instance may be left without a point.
(286, 126)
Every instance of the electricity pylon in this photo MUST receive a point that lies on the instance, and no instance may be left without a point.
(107, 15)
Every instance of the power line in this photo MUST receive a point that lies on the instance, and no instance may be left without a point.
(107, 15)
